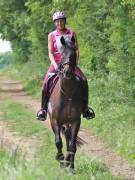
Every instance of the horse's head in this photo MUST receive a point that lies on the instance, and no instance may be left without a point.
(68, 60)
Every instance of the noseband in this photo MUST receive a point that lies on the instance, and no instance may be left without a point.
(61, 69)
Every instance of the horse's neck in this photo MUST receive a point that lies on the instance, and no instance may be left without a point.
(68, 83)
(67, 86)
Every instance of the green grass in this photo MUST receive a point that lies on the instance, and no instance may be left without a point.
(13, 114)
(49, 169)
(115, 115)
(20, 119)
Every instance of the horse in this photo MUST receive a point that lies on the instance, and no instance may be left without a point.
(65, 105)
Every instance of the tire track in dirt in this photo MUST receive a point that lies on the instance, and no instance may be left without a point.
(93, 145)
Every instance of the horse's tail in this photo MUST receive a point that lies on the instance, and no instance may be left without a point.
(67, 133)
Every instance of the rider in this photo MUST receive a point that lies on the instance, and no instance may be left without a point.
(54, 46)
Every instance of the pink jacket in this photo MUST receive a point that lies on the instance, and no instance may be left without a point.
(56, 44)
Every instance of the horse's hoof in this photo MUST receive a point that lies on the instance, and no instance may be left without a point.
(71, 172)
(62, 164)
(59, 156)
(67, 163)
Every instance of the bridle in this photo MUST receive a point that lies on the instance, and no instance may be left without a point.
(61, 69)
(68, 61)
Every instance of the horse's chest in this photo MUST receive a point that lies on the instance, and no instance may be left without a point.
(65, 107)
(68, 112)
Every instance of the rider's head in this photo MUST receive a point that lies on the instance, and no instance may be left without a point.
(59, 19)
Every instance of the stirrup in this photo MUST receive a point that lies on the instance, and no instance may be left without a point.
(41, 115)
(88, 113)
(92, 113)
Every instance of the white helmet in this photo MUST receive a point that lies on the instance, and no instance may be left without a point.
(58, 15)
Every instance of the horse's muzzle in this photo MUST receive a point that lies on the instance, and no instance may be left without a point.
(68, 74)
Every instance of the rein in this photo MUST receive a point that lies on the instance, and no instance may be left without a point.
(69, 98)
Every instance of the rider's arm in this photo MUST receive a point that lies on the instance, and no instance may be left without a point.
(77, 48)
(50, 51)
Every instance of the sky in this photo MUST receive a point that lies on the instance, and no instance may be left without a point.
(4, 46)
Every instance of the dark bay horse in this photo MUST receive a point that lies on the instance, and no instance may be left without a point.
(65, 104)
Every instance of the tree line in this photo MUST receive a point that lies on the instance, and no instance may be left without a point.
(105, 30)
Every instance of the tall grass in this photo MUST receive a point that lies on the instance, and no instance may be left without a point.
(48, 169)
(114, 104)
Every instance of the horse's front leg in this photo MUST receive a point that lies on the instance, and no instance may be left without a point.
(72, 146)
(68, 138)
(58, 141)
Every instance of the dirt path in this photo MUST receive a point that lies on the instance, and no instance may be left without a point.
(16, 144)
(93, 145)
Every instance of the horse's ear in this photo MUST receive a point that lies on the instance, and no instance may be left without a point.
(73, 39)
(63, 42)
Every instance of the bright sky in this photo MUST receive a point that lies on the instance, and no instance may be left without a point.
(4, 46)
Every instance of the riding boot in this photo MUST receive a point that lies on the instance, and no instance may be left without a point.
(88, 112)
(42, 113)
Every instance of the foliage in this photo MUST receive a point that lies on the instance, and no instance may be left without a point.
(6, 59)
(105, 31)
